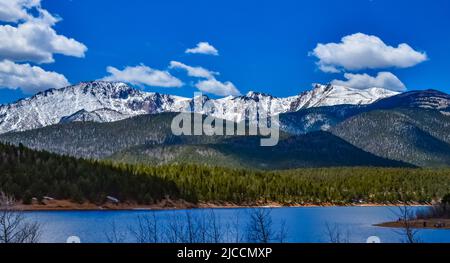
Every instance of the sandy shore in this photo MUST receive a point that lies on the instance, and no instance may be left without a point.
(64, 205)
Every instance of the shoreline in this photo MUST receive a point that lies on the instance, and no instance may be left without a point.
(64, 205)
(431, 223)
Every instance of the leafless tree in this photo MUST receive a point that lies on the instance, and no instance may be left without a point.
(14, 227)
(216, 232)
(204, 227)
(282, 234)
(176, 230)
(406, 218)
(192, 227)
(259, 228)
(114, 234)
(233, 229)
(147, 229)
(336, 235)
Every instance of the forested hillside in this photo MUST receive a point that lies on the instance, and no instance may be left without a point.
(149, 140)
(100, 140)
(318, 185)
(95, 140)
(317, 149)
(410, 129)
(26, 174)
(417, 136)
(317, 119)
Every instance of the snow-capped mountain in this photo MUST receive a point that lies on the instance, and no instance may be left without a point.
(101, 101)
(94, 101)
(238, 108)
(329, 95)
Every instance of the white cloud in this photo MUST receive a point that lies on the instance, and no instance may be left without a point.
(17, 10)
(36, 41)
(34, 38)
(197, 72)
(30, 79)
(203, 48)
(216, 87)
(360, 51)
(28, 35)
(211, 84)
(384, 80)
(143, 76)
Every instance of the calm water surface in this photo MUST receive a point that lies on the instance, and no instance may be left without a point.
(303, 224)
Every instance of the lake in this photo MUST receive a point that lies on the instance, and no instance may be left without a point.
(304, 225)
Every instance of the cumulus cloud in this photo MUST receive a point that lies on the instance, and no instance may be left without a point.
(203, 48)
(34, 38)
(384, 80)
(211, 84)
(17, 10)
(143, 76)
(30, 79)
(197, 72)
(360, 51)
(28, 36)
(216, 87)
(36, 41)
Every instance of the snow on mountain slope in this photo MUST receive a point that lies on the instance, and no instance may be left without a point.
(328, 95)
(101, 101)
(244, 107)
(109, 101)
(237, 108)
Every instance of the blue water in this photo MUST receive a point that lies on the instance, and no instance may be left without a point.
(304, 225)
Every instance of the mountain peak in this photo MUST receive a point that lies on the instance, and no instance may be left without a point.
(318, 86)
(93, 87)
(256, 95)
(103, 87)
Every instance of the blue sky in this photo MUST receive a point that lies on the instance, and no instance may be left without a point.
(262, 45)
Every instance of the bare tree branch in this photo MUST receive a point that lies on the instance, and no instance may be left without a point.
(336, 235)
(406, 217)
(14, 227)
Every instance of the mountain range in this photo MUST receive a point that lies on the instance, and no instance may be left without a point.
(327, 126)
(148, 139)
(101, 101)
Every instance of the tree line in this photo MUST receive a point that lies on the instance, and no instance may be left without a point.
(312, 186)
(27, 174)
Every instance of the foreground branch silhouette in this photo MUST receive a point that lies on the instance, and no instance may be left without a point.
(14, 227)
(207, 227)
